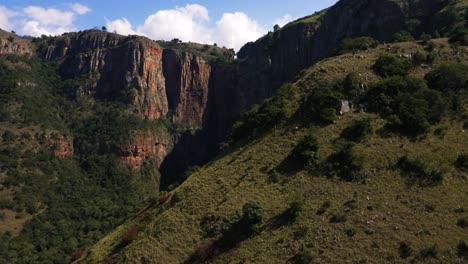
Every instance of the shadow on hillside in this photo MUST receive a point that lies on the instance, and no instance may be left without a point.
(289, 166)
(210, 249)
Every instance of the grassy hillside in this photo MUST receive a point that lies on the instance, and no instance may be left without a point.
(407, 201)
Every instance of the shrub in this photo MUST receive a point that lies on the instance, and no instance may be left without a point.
(323, 105)
(190, 171)
(352, 86)
(252, 217)
(274, 176)
(448, 77)
(459, 36)
(356, 44)
(405, 250)
(346, 163)
(324, 207)
(8, 136)
(359, 130)
(270, 113)
(462, 162)
(462, 249)
(463, 222)
(383, 96)
(429, 252)
(338, 217)
(389, 65)
(417, 171)
(302, 257)
(307, 151)
(295, 209)
(413, 113)
(402, 36)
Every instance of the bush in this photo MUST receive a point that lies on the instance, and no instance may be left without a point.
(462, 162)
(448, 77)
(417, 171)
(324, 207)
(463, 222)
(8, 137)
(462, 249)
(405, 250)
(459, 36)
(352, 86)
(356, 44)
(252, 217)
(302, 257)
(429, 252)
(270, 113)
(295, 209)
(307, 151)
(389, 65)
(402, 36)
(413, 113)
(338, 217)
(323, 105)
(359, 130)
(345, 164)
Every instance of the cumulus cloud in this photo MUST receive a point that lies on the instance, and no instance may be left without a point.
(191, 23)
(5, 15)
(38, 20)
(48, 21)
(122, 26)
(80, 9)
(186, 23)
(236, 29)
(284, 20)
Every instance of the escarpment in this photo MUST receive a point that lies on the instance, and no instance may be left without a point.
(199, 89)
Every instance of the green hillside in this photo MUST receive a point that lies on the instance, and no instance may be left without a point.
(299, 184)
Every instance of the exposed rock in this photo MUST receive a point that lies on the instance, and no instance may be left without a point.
(12, 44)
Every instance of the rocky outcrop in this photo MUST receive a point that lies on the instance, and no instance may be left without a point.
(279, 56)
(123, 68)
(146, 145)
(12, 44)
(187, 82)
(202, 95)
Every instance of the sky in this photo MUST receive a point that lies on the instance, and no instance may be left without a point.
(228, 23)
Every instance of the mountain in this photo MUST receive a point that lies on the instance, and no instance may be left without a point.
(95, 124)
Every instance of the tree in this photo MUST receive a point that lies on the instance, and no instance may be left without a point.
(276, 27)
(389, 65)
(252, 216)
(402, 36)
(104, 28)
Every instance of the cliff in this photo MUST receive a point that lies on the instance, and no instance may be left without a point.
(10, 43)
(200, 89)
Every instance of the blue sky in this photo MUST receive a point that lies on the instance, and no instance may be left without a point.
(230, 23)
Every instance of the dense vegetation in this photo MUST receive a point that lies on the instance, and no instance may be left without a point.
(71, 202)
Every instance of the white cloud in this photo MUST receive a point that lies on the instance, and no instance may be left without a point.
(5, 15)
(191, 23)
(47, 21)
(121, 26)
(80, 9)
(49, 16)
(284, 20)
(236, 29)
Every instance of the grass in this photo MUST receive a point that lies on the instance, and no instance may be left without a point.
(385, 210)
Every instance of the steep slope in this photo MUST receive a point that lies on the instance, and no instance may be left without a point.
(385, 218)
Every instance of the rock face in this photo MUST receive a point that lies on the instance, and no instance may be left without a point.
(145, 146)
(203, 96)
(12, 44)
(279, 56)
